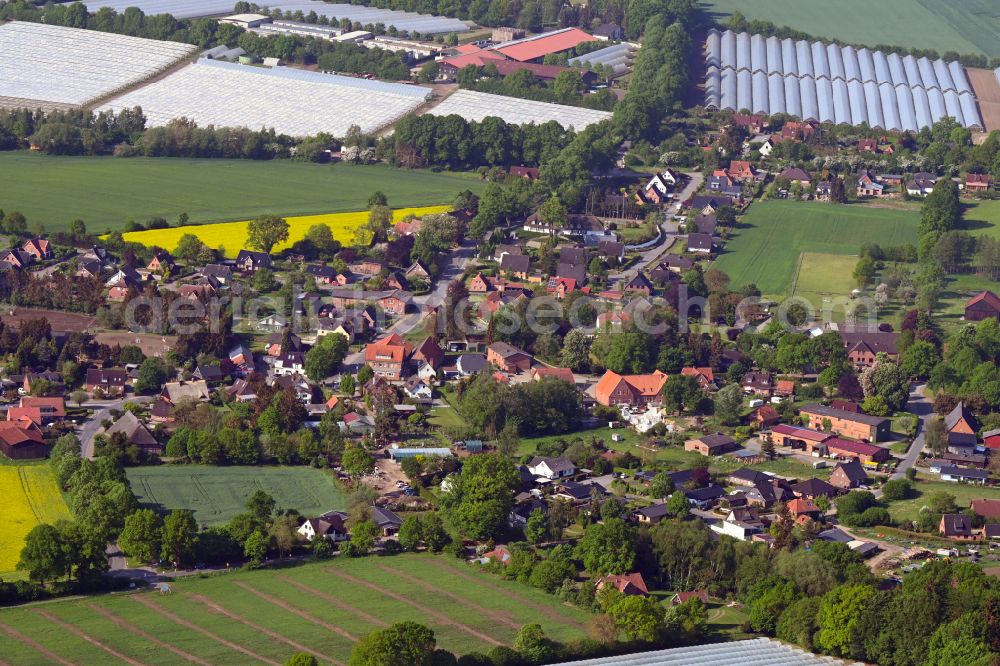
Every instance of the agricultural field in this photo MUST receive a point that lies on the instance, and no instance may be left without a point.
(106, 192)
(216, 494)
(766, 247)
(982, 218)
(232, 236)
(30, 497)
(820, 274)
(268, 615)
(963, 26)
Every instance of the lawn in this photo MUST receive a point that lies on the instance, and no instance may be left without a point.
(30, 497)
(216, 494)
(268, 615)
(981, 218)
(909, 509)
(765, 248)
(231, 237)
(106, 192)
(820, 275)
(964, 26)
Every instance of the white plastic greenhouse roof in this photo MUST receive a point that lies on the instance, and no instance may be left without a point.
(828, 83)
(472, 105)
(294, 102)
(182, 9)
(751, 652)
(73, 66)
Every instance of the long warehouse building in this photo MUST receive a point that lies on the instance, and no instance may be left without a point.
(833, 84)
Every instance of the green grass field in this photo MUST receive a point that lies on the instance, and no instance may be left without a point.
(105, 192)
(982, 218)
(216, 494)
(765, 249)
(965, 26)
(820, 274)
(268, 615)
(909, 509)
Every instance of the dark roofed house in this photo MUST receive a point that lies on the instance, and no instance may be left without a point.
(250, 261)
(109, 381)
(813, 488)
(848, 474)
(700, 243)
(706, 224)
(711, 445)
(796, 175)
(508, 358)
(572, 256)
(386, 520)
(516, 265)
(964, 474)
(863, 346)
(135, 433)
(956, 526)
(983, 305)
(652, 514)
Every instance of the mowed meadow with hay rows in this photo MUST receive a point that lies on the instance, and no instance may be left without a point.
(321, 608)
(231, 237)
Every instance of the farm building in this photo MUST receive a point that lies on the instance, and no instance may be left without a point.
(833, 84)
(536, 47)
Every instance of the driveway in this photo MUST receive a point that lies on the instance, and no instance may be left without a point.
(924, 409)
(670, 228)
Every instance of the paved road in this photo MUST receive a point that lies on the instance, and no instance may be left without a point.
(917, 404)
(671, 231)
(101, 411)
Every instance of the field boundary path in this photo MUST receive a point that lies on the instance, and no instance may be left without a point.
(173, 617)
(215, 607)
(129, 627)
(35, 645)
(281, 603)
(83, 635)
(513, 596)
(334, 601)
(440, 617)
(496, 616)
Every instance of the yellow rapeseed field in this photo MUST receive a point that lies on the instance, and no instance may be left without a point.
(232, 236)
(30, 496)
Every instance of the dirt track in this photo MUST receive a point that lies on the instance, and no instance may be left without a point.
(83, 635)
(173, 617)
(44, 651)
(128, 627)
(213, 606)
(496, 616)
(334, 601)
(281, 603)
(440, 617)
(513, 596)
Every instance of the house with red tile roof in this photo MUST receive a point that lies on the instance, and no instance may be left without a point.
(565, 374)
(632, 390)
(682, 597)
(388, 357)
(705, 376)
(630, 584)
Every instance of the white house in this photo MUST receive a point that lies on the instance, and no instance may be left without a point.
(662, 182)
(328, 526)
(763, 143)
(290, 363)
(427, 373)
(551, 468)
(736, 529)
(418, 390)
